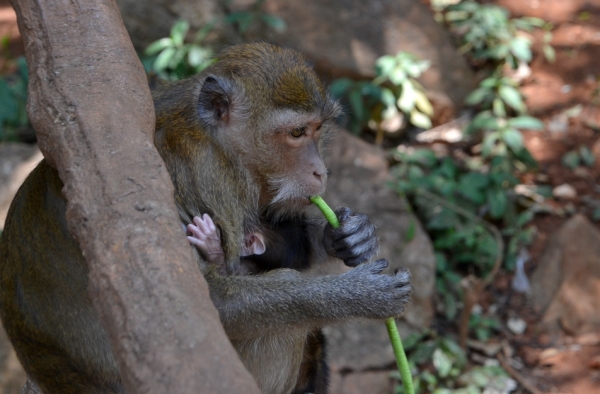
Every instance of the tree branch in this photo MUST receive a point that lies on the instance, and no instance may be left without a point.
(91, 107)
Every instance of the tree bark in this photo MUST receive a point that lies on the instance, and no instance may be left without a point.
(91, 107)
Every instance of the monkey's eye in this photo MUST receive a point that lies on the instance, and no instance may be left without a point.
(298, 132)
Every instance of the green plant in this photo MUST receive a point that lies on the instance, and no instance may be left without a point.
(443, 354)
(483, 326)
(581, 156)
(488, 34)
(255, 15)
(172, 58)
(440, 366)
(13, 99)
(472, 192)
(384, 102)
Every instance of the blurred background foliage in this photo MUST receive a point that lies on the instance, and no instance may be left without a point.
(476, 180)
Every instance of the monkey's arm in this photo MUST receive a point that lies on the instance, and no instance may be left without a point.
(284, 299)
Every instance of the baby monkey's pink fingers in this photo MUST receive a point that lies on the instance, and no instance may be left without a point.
(197, 242)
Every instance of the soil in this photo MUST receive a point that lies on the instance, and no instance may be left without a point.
(550, 364)
(559, 364)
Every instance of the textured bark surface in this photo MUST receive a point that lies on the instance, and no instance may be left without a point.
(91, 107)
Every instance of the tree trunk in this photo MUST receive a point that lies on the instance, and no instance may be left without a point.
(91, 107)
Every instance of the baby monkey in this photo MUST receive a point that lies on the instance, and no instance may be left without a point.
(207, 238)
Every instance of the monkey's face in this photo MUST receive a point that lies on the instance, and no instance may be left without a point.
(290, 163)
(268, 110)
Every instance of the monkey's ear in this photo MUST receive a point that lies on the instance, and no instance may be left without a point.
(214, 102)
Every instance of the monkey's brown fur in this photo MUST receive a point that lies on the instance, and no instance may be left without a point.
(242, 142)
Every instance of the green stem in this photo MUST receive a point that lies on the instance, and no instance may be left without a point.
(390, 323)
(401, 360)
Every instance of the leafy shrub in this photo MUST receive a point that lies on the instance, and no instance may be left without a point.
(394, 94)
(487, 33)
(171, 58)
(174, 58)
(13, 99)
(439, 366)
(243, 20)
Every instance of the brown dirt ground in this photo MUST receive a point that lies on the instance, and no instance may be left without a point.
(558, 364)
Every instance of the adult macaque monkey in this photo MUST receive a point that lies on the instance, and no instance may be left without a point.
(242, 142)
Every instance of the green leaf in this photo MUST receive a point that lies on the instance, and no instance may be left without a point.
(384, 65)
(477, 96)
(512, 97)
(499, 51)
(489, 83)
(485, 121)
(512, 138)
(388, 98)
(274, 22)
(549, 53)
(570, 160)
(178, 32)
(472, 186)
(445, 219)
(164, 58)
(419, 119)
(158, 46)
(498, 108)
(178, 58)
(497, 201)
(533, 21)
(406, 101)
(442, 362)
(423, 103)
(454, 16)
(423, 156)
(526, 122)
(489, 142)
(397, 76)
(596, 215)
(521, 48)
(356, 102)
(204, 30)
(587, 157)
(198, 55)
(340, 87)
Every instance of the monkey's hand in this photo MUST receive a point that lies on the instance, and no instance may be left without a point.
(205, 236)
(380, 296)
(354, 241)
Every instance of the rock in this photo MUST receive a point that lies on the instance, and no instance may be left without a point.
(516, 325)
(358, 177)
(150, 20)
(345, 38)
(12, 376)
(565, 286)
(377, 382)
(16, 162)
(564, 192)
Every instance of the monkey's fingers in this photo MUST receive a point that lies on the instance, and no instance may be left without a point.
(197, 242)
(373, 268)
(354, 241)
(353, 255)
(195, 231)
(206, 226)
(209, 223)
